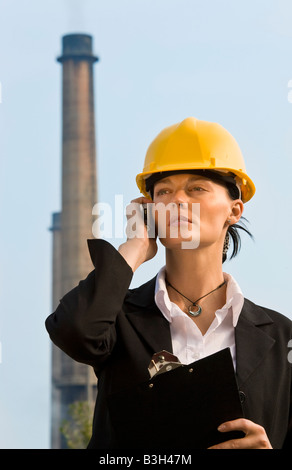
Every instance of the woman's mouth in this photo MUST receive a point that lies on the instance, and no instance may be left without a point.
(179, 220)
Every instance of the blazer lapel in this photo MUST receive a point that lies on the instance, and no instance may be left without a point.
(252, 342)
(147, 319)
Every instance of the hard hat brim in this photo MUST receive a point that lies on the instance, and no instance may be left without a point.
(247, 186)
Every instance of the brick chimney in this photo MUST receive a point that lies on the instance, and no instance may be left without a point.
(73, 226)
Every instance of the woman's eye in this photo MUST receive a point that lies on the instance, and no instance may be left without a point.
(197, 188)
(160, 192)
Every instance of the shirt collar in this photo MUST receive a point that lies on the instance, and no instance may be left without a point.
(234, 298)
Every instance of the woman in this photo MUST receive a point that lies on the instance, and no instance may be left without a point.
(191, 308)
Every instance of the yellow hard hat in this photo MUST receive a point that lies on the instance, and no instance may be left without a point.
(196, 145)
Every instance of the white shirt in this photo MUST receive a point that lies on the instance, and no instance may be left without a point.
(188, 343)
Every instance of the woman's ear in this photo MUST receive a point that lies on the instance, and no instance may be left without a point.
(236, 211)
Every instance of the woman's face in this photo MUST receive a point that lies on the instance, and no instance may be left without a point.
(205, 222)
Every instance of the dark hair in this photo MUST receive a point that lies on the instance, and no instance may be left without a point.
(233, 229)
(236, 239)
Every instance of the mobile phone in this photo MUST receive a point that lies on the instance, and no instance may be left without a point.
(145, 213)
(149, 221)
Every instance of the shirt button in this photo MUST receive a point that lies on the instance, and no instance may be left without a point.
(241, 396)
(196, 356)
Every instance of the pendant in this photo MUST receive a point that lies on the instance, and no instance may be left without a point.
(197, 312)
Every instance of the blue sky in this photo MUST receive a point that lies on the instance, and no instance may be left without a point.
(160, 61)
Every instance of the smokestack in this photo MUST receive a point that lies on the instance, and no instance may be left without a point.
(79, 192)
(72, 381)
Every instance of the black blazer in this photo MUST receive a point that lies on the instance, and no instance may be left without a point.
(116, 330)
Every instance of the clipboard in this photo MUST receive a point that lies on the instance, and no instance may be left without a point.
(179, 409)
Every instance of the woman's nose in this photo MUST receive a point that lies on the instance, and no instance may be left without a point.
(180, 197)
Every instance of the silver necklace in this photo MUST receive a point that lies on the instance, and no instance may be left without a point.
(198, 311)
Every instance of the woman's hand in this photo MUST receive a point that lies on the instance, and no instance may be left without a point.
(139, 247)
(255, 435)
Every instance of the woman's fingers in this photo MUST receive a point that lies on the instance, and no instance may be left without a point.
(255, 435)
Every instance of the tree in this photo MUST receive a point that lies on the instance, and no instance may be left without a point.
(77, 428)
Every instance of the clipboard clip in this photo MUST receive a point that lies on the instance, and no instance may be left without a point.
(161, 362)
